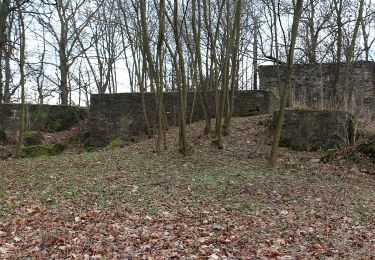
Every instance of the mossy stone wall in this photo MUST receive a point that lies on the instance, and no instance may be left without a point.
(314, 85)
(121, 116)
(309, 130)
(46, 118)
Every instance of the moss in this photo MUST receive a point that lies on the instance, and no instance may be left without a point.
(56, 149)
(87, 145)
(42, 150)
(73, 140)
(117, 142)
(64, 120)
(5, 153)
(32, 138)
(35, 151)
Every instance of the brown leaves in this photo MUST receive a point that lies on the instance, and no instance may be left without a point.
(214, 204)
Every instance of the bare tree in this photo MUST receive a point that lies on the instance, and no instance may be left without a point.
(155, 72)
(4, 12)
(72, 19)
(343, 96)
(288, 84)
(22, 76)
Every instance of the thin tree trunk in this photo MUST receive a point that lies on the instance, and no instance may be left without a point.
(4, 12)
(22, 79)
(276, 47)
(181, 83)
(255, 53)
(344, 95)
(202, 90)
(338, 10)
(155, 75)
(236, 35)
(287, 88)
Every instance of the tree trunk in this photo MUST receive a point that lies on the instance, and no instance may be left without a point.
(255, 53)
(4, 12)
(236, 37)
(287, 88)
(276, 48)
(201, 89)
(155, 75)
(344, 95)
(22, 79)
(338, 10)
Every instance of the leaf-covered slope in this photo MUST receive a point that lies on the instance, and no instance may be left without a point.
(131, 203)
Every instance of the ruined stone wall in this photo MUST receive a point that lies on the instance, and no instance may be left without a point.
(121, 115)
(313, 85)
(47, 118)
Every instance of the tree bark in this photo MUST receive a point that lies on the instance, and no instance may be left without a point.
(344, 95)
(4, 12)
(287, 88)
(22, 79)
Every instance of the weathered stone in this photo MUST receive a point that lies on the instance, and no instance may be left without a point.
(368, 146)
(121, 115)
(46, 118)
(314, 85)
(312, 130)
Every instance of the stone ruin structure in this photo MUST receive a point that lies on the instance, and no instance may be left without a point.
(314, 85)
(46, 118)
(310, 130)
(121, 115)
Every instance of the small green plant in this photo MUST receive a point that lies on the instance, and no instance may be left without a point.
(35, 151)
(32, 138)
(42, 150)
(56, 149)
(5, 153)
(245, 205)
(117, 142)
(329, 155)
(73, 140)
(87, 145)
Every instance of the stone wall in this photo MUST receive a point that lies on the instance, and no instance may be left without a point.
(313, 85)
(47, 118)
(121, 115)
(310, 130)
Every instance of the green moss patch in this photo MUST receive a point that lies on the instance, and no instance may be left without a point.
(5, 153)
(31, 138)
(42, 150)
(64, 119)
(117, 142)
(56, 149)
(73, 140)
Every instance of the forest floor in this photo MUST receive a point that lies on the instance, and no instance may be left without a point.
(214, 204)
